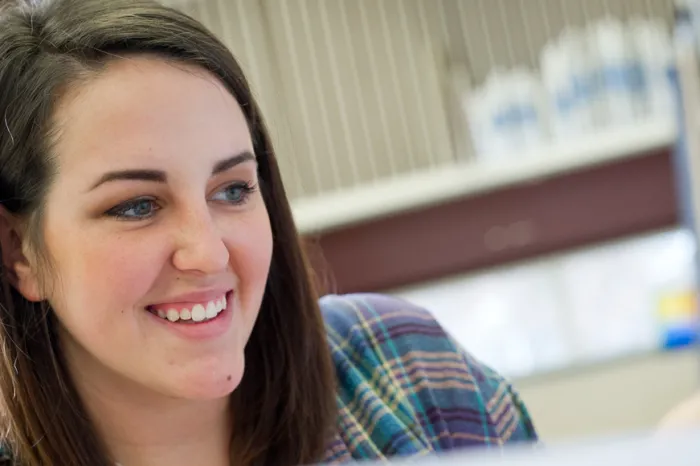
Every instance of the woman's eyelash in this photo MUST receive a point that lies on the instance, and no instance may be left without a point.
(240, 190)
(122, 210)
(144, 208)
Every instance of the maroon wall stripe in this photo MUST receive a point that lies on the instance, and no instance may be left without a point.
(601, 203)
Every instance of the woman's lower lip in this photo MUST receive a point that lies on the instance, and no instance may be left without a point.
(208, 329)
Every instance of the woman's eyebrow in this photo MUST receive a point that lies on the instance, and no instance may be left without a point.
(159, 176)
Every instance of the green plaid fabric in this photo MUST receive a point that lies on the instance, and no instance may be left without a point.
(405, 387)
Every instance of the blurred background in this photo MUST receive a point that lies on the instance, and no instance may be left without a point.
(522, 168)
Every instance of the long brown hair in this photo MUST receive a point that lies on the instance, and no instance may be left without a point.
(284, 407)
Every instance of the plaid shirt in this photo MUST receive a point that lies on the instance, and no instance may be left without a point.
(406, 388)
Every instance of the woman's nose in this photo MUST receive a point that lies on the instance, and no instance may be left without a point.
(200, 245)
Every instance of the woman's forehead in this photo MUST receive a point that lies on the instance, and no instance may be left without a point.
(142, 109)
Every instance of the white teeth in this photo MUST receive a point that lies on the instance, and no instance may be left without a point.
(198, 313)
(211, 310)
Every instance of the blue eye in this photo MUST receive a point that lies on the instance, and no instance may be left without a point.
(137, 209)
(145, 208)
(236, 193)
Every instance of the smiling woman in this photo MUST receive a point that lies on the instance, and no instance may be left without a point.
(155, 304)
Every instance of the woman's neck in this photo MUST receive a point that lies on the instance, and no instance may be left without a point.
(169, 433)
(143, 428)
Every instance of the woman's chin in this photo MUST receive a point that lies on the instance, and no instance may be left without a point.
(207, 389)
(207, 385)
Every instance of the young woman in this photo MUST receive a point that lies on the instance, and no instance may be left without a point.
(155, 305)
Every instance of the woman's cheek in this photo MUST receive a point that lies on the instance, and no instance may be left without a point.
(251, 249)
(118, 269)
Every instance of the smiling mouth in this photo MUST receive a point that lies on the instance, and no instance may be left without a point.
(192, 314)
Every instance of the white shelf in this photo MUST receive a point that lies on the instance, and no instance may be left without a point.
(429, 187)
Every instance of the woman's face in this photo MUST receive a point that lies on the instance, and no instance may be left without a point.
(158, 232)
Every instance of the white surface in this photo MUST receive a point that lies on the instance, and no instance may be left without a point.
(679, 449)
(452, 181)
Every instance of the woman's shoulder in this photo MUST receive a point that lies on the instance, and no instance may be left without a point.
(396, 365)
(376, 314)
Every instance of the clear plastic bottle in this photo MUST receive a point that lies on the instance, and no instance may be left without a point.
(653, 46)
(529, 105)
(618, 73)
(566, 74)
(499, 125)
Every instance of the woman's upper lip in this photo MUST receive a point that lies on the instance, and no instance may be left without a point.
(194, 297)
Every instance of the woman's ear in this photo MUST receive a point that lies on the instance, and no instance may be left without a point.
(18, 269)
